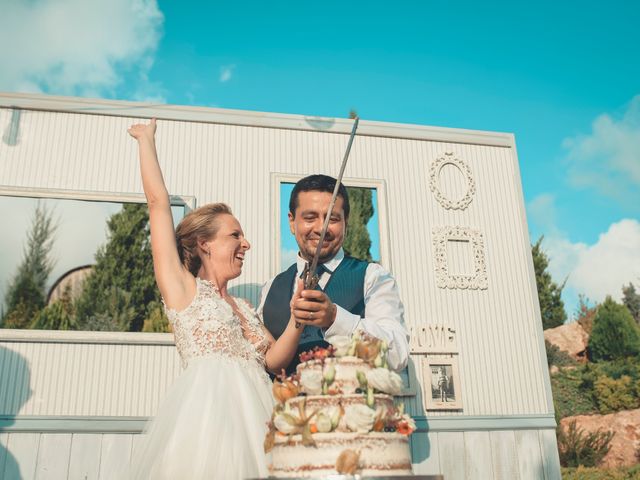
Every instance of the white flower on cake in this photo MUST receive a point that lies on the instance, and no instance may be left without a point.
(311, 381)
(384, 380)
(341, 344)
(359, 418)
(285, 423)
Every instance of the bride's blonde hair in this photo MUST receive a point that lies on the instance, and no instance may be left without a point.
(202, 223)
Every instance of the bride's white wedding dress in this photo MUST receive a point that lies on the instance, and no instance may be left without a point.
(213, 421)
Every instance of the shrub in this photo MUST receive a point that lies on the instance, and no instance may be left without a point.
(557, 357)
(571, 395)
(584, 473)
(614, 395)
(156, 321)
(614, 334)
(579, 448)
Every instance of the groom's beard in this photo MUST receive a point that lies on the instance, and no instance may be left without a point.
(328, 251)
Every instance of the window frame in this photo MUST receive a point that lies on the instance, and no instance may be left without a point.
(379, 185)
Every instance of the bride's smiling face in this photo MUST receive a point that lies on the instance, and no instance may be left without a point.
(228, 248)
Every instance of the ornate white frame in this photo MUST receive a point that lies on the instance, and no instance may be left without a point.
(440, 237)
(434, 172)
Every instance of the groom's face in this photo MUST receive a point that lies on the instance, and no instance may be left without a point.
(306, 224)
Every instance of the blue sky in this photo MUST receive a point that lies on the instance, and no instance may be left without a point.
(564, 77)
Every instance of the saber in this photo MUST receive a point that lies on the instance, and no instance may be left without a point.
(309, 276)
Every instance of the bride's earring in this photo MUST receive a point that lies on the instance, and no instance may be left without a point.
(209, 254)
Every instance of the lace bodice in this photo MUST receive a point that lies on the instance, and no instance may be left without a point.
(210, 327)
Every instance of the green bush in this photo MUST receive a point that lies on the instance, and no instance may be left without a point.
(558, 357)
(156, 321)
(571, 395)
(579, 448)
(615, 334)
(584, 473)
(56, 316)
(614, 395)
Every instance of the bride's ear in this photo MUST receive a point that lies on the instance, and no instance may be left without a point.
(204, 247)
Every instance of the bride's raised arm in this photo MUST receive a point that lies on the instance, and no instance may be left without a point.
(175, 282)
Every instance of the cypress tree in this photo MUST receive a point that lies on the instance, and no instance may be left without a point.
(26, 294)
(549, 293)
(357, 242)
(122, 285)
(631, 300)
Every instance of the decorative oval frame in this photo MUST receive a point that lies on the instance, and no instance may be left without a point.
(434, 172)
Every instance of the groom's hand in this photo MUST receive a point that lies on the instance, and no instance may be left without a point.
(313, 307)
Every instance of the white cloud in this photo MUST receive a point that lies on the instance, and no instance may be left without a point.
(608, 159)
(542, 212)
(226, 72)
(78, 47)
(600, 269)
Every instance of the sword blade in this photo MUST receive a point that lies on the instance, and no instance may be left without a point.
(314, 264)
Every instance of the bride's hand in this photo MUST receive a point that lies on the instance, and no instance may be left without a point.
(141, 131)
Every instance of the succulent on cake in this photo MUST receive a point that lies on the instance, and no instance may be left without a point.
(285, 421)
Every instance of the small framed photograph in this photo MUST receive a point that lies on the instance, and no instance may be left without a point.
(441, 386)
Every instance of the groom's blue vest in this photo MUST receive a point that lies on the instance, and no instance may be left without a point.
(345, 288)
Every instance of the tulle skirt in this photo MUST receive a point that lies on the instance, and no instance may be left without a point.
(211, 425)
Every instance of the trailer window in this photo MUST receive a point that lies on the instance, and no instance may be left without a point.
(50, 247)
(363, 235)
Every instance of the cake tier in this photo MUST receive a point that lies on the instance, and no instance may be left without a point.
(380, 454)
(319, 402)
(345, 371)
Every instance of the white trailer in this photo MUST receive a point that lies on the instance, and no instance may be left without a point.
(453, 231)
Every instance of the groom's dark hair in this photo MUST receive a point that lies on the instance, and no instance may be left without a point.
(318, 183)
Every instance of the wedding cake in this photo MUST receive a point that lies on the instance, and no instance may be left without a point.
(337, 414)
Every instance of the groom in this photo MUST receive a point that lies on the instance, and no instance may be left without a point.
(353, 293)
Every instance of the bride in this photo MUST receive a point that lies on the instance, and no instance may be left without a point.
(213, 420)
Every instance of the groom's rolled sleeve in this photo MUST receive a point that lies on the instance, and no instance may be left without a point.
(384, 316)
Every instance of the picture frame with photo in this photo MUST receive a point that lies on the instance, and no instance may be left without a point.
(441, 386)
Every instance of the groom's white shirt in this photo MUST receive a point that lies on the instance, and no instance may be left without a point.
(384, 310)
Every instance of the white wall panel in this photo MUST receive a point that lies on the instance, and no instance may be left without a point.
(84, 461)
(4, 437)
(530, 463)
(550, 457)
(53, 456)
(451, 452)
(504, 455)
(22, 456)
(115, 455)
(85, 379)
(477, 451)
